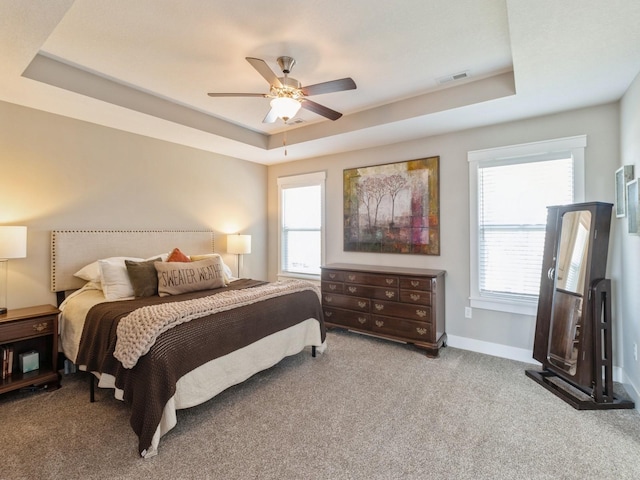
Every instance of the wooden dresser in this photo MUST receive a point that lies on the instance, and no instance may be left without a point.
(405, 304)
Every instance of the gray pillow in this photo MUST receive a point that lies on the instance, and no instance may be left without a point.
(143, 277)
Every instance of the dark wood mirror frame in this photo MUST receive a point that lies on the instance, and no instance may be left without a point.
(573, 326)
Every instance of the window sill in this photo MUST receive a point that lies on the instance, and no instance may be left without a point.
(299, 276)
(499, 305)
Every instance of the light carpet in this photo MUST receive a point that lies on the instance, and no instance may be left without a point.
(366, 409)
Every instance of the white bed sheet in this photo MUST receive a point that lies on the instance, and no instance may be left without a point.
(204, 382)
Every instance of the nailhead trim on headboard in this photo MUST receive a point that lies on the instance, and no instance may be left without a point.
(72, 249)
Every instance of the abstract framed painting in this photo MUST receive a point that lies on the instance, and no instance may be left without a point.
(393, 208)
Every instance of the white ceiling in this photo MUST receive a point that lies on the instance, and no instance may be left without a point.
(146, 66)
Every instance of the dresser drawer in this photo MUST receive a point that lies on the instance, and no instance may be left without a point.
(332, 287)
(416, 283)
(415, 296)
(24, 329)
(332, 275)
(347, 318)
(371, 292)
(420, 313)
(346, 301)
(398, 327)
(371, 279)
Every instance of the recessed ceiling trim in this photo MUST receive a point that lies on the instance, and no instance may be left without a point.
(54, 72)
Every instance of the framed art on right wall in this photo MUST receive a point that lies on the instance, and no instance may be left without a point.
(633, 209)
(623, 176)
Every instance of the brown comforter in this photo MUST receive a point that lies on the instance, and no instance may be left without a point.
(152, 382)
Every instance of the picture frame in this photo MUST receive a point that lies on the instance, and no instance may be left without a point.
(623, 176)
(633, 209)
(393, 207)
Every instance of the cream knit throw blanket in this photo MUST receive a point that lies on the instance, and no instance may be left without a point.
(138, 331)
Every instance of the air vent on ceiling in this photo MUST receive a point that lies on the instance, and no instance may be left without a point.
(295, 121)
(454, 77)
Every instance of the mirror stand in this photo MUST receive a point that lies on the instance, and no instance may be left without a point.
(601, 395)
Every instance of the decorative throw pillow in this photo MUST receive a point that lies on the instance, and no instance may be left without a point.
(177, 256)
(181, 277)
(227, 271)
(143, 277)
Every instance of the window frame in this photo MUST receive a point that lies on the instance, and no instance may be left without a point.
(298, 181)
(510, 155)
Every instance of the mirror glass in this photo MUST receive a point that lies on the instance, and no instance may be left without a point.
(570, 272)
(572, 251)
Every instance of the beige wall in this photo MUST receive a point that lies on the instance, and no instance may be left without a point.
(60, 173)
(600, 124)
(628, 292)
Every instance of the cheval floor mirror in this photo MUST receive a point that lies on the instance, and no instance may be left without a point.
(573, 326)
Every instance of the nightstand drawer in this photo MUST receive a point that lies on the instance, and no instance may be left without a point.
(23, 329)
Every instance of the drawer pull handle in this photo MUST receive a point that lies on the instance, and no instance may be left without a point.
(415, 283)
(362, 304)
(415, 297)
(328, 314)
(40, 326)
(378, 306)
(352, 277)
(332, 287)
(421, 331)
(353, 289)
(328, 298)
(389, 281)
(390, 293)
(332, 276)
(379, 323)
(362, 320)
(421, 313)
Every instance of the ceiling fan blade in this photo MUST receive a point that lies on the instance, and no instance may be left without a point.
(264, 70)
(271, 117)
(320, 109)
(263, 95)
(328, 87)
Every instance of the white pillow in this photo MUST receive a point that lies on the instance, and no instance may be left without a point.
(115, 279)
(91, 272)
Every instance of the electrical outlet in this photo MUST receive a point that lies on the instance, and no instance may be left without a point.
(635, 352)
(467, 312)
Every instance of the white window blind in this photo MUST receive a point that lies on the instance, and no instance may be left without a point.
(512, 220)
(510, 188)
(301, 225)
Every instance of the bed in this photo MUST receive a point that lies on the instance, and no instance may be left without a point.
(174, 349)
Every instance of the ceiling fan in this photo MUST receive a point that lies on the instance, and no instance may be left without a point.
(287, 94)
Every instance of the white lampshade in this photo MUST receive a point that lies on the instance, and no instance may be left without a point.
(239, 244)
(285, 107)
(13, 242)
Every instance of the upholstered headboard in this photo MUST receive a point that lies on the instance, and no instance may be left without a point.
(73, 249)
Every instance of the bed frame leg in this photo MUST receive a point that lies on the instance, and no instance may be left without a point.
(92, 388)
(313, 351)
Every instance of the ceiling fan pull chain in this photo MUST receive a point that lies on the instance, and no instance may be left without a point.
(284, 139)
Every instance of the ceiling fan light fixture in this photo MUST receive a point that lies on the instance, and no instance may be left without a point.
(285, 107)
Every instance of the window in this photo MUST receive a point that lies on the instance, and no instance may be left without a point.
(510, 188)
(301, 220)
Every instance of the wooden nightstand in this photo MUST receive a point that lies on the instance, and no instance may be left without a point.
(27, 329)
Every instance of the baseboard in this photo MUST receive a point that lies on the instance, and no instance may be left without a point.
(526, 356)
(495, 349)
